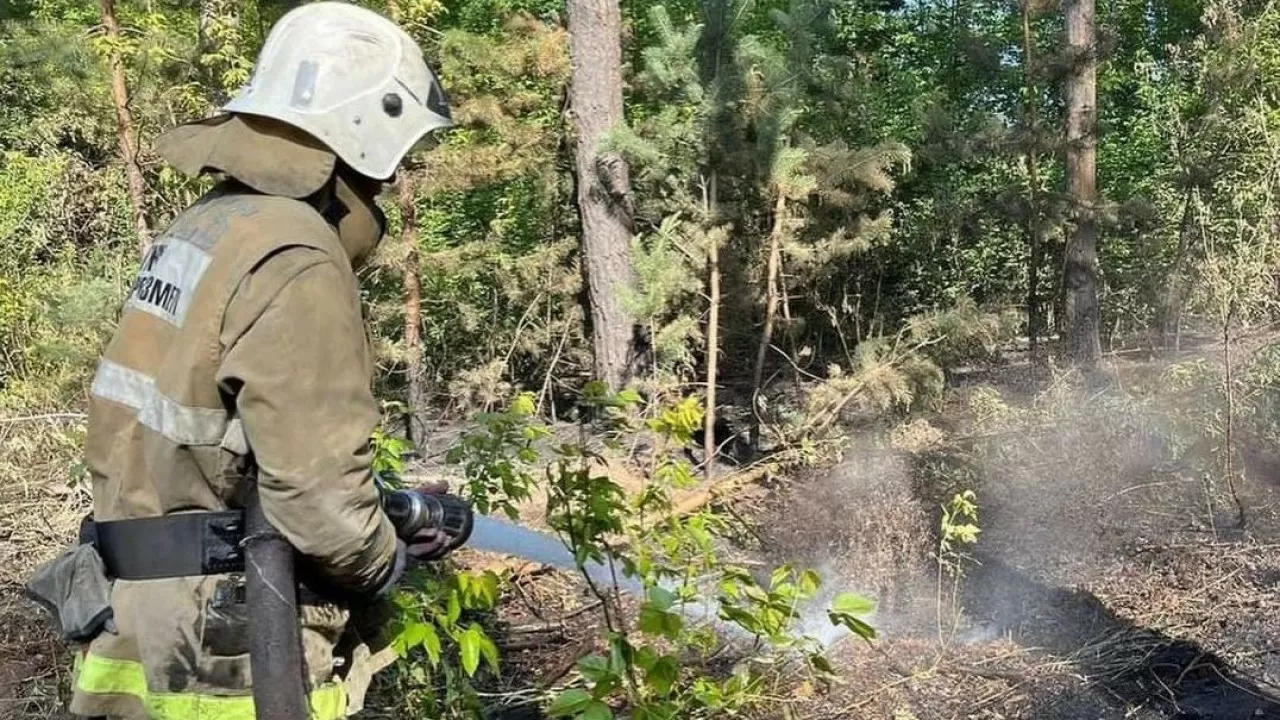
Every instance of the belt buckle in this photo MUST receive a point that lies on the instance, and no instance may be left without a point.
(220, 550)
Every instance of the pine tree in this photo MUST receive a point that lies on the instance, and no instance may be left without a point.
(604, 185)
(1080, 267)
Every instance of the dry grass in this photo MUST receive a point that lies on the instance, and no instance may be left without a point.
(40, 510)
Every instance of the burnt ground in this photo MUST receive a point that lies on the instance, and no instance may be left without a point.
(1111, 579)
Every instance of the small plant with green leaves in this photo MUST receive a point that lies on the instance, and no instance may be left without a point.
(389, 453)
(958, 530)
(651, 668)
(498, 459)
(437, 617)
(439, 635)
(767, 612)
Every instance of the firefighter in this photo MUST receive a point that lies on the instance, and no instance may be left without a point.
(241, 357)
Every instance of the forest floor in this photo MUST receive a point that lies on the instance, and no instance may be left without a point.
(1111, 579)
(1080, 600)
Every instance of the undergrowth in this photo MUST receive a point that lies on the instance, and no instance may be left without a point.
(656, 649)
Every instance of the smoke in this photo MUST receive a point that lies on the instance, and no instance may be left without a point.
(813, 621)
(1068, 482)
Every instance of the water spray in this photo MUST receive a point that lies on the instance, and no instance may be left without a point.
(501, 536)
(412, 511)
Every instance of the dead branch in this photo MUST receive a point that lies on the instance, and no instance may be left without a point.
(43, 417)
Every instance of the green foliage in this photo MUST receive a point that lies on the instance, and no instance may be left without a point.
(768, 612)
(1260, 396)
(389, 456)
(58, 293)
(498, 458)
(959, 528)
(438, 632)
(848, 609)
(648, 668)
(497, 261)
(963, 333)
(667, 281)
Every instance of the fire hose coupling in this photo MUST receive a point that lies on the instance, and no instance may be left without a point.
(412, 511)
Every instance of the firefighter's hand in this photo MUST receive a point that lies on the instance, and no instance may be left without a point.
(429, 543)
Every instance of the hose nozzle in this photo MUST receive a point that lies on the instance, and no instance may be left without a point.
(411, 512)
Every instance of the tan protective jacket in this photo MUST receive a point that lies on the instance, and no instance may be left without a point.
(241, 342)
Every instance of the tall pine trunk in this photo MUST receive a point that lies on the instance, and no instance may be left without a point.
(713, 325)
(604, 185)
(772, 295)
(1080, 264)
(412, 276)
(126, 135)
(1035, 246)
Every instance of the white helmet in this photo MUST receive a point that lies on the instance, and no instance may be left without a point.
(351, 78)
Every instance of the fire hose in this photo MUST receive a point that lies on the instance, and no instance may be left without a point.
(271, 593)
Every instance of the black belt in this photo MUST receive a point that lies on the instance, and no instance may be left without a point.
(179, 545)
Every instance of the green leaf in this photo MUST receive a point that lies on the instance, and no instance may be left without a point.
(489, 588)
(852, 604)
(469, 646)
(661, 598)
(629, 397)
(662, 676)
(412, 636)
(523, 405)
(660, 622)
(646, 658)
(779, 575)
(861, 629)
(455, 608)
(489, 651)
(596, 710)
(809, 583)
(621, 652)
(594, 668)
(570, 702)
(431, 642)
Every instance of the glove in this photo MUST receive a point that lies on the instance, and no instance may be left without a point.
(429, 544)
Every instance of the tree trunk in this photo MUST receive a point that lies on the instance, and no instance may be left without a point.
(126, 136)
(1171, 312)
(1080, 265)
(770, 312)
(417, 391)
(604, 186)
(713, 328)
(1035, 255)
